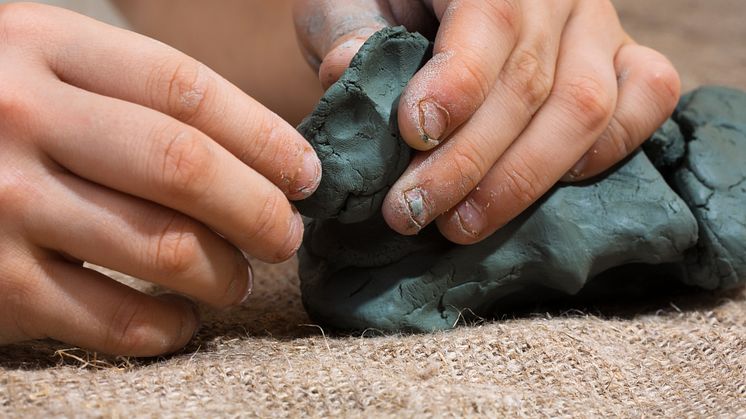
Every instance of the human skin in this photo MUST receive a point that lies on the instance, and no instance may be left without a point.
(519, 94)
(252, 43)
(121, 151)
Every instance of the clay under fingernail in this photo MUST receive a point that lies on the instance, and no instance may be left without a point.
(470, 219)
(434, 121)
(249, 287)
(416, 206)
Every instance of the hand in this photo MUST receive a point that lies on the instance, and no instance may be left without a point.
(120, 151)
(519, 94)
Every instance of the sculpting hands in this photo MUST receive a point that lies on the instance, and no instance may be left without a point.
(519, 94)
(123, 152)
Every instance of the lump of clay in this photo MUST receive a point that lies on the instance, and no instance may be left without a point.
(711, 177)
(579, 238)
(354, 131)
(367, 276)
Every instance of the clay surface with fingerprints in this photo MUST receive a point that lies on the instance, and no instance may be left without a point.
(710, 175)
(354, 130)
(622, 233)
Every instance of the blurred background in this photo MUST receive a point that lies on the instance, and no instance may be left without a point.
(706, 40)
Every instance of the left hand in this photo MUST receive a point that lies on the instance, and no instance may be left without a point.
(520, 94)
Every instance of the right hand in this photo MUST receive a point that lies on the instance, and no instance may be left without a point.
(120, 151)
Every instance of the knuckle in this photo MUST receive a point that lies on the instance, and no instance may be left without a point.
(525, 75)
(663, 80)
(262, 143)
(588, 101)
(606, 8)
(19, 21)
(17, 107)
(504, 14)
(177, 246)
(180, 87)
(16, 297)
(228, 296)
(129, 327)
(622, 139)
(187, 163)
(266, 219)
(469, 166)
(478, 80)
(521, 181)
(17, 194)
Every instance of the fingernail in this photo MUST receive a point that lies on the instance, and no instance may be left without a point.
(470, 219)
(577, 171)
(354, 43)
(188, 327)
(249, 287)
(309, 176)
(416, 205)
(295, 235)
(434, 121)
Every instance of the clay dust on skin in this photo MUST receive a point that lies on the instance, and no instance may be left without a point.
(417, 209)
(575, 234)
(419, 91)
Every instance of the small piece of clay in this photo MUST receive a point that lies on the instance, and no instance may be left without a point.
(354, 128)
(626, 227)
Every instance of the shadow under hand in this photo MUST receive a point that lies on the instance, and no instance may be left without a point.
(275, 314)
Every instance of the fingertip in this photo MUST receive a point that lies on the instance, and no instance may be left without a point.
(448, 226)
(464, 224)
(424, 125)
(580, 170)
(308, 177)
(294, 238)
(405, 212)
(190, 321)
(338, 59)
(433, 105)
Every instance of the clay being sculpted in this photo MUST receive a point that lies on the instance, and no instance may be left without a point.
(354, 129)
(364, 275)
(424, 282)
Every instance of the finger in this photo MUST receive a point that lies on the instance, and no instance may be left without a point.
(649, 89)
(138, 238)
(437, 180)
(144, 153)
(474, 41)
(331, 32)
(574, 115)
(16, 262)
(118, 63)
(84, 308)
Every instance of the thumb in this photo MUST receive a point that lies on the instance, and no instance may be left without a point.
(332, 31)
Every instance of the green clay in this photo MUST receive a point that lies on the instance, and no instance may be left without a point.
(355, 132)
(365, 275)
(627, 227)
(712, 180)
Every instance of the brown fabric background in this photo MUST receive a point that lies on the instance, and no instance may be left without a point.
(681, 355)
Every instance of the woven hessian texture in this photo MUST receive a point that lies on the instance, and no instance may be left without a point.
(676, 356)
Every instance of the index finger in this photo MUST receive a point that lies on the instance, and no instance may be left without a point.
(474, 41)
(124, 65)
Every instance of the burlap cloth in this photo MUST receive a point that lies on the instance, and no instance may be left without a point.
(682, 355)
